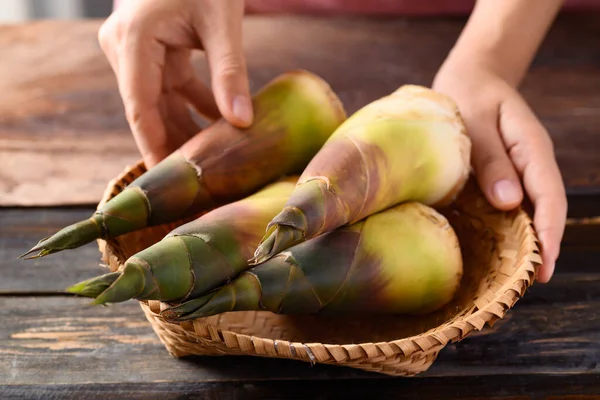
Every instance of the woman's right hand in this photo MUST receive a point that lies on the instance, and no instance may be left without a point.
(148, 44)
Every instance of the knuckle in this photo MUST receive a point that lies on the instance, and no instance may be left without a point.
(132, 114)
(119, 26)
(481, 111)
(112, 31)
(519, 154)
(493, 162)
(136, 25)
(479, 120)
(539, 142)
(490, 161)
(480, 106)
(106, 34)
(230, 65)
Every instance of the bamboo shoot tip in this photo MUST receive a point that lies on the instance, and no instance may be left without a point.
(38, 247)
(278, 239)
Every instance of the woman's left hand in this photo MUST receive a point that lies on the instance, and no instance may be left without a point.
(511, 150)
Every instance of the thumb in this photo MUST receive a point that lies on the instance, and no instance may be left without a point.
(221, 34)
(495, 171)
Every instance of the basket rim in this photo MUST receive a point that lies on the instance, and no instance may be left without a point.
(455, 328)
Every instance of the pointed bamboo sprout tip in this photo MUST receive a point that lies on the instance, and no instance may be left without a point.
(99, 301)
(174, 314)
(70, 237)
(76, 288)
(190, 309)
(95, 286)
(168, 314)
(278, 239)
(37, 247)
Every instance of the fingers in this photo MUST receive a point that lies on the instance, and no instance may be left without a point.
(544, 186)
(222, 40)
(135, 40)
(533, 154)
(179, 123)
(138, 62)
(201, 97)
(106, 39)
(141, 63)
(179, 76)
(494, 170)
(549, 221)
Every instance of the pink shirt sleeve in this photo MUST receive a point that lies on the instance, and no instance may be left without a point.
(394, 7)
(387, 7)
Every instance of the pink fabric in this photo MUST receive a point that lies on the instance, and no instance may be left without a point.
(385, 7)
(380, 7)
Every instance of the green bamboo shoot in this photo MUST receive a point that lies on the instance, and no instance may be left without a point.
(410, 145)
(195, 257)
(295, 113)
(404, 260)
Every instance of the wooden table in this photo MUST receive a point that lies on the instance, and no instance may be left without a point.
(63, 136)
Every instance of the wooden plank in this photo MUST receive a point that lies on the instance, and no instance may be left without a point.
(59, 340)
(499, 387)
(22, 228)
(584, 203)
(63, 135)
(580, 247)
(62, 129)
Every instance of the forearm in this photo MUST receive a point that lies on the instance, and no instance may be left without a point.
(504, 35)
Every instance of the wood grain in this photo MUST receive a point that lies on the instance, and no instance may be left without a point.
(20, 229)
(63, 134)
(56, 347)
(62, 130)
(498, 387)
(60, 340)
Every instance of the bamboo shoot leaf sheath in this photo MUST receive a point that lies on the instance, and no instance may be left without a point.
(195, 257)
(404, 260)
(410, 145)
(295, 113)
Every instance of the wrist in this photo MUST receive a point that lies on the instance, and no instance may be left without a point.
(459, 69)
(504, 37)
(469, 63)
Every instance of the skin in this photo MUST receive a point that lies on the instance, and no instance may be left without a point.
(512, 153)
(148, 44)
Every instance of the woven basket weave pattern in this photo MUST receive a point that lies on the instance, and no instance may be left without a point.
(500, 256)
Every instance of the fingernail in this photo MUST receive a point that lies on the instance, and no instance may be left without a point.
(545, 272)
(242, 109)
(506, 192)
(551, 269)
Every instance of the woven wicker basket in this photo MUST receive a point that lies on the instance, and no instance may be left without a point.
(500, 259)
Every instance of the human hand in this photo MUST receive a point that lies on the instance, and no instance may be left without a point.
(509, 146)
(148, 44)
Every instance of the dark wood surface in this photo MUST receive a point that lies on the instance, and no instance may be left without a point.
(54, 346)
(61, 340)
(57, 345)
(70, 105)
